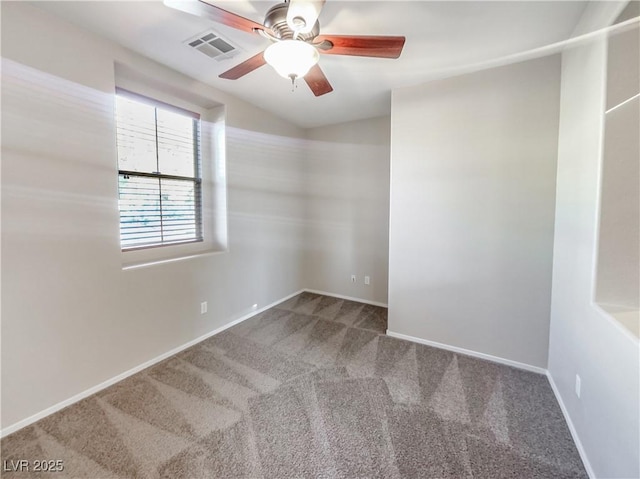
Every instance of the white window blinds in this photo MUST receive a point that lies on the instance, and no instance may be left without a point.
(159, 173)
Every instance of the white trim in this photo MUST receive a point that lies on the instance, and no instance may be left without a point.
(349, 298)
(156, 262)
(468, 352)
(516, 364)
(109, 382)
(614, 108)
(572, 429)
(534, 53)
(610, 317)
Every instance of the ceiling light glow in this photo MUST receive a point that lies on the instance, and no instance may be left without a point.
(291, 58)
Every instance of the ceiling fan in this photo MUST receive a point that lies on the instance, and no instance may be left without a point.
(293, 29)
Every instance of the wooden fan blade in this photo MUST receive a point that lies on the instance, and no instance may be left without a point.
(245, 67)
(205, 9)
(317, 81)
(361, 46)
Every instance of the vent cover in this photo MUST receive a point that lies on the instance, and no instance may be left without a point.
(211, 44)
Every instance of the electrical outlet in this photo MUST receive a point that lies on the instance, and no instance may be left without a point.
(578, 385)
(203, 307)
(353, 278)
(367, 280)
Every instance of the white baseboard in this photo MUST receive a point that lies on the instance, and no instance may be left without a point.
(572, 429)
(468, 352)
(109, 382)
(349, 298)
(105, 384)
(515, 364)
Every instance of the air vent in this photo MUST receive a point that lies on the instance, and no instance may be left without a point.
(213, 45)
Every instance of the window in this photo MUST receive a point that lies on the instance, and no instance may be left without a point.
(160, 180)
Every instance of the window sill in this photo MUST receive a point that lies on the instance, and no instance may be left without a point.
(627, 318)
(141, 258)
(158, 262)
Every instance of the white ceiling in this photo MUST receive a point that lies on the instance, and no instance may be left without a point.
(443, 38)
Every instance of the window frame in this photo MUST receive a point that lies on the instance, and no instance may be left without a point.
(197, 179)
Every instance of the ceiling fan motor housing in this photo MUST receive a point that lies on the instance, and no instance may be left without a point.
(276, 20)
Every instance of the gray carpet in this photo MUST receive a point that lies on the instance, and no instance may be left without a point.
(310, 388)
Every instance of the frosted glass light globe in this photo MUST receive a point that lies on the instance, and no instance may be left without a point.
(291, 58)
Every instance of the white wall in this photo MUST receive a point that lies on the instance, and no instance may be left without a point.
(71, 316)
(347, 180)
(473, 162)
(618, 284)
(583, 339)
(306, 209)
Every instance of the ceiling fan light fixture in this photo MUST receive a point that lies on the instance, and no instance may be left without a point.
(291, 58)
